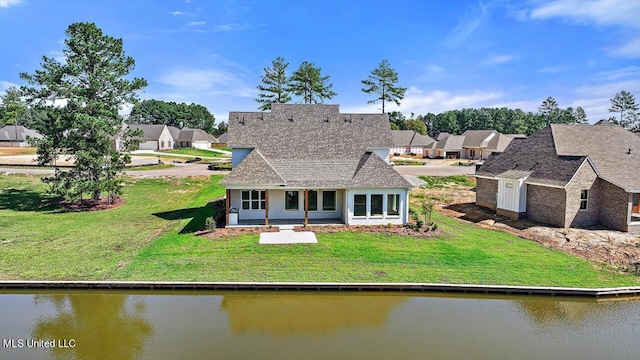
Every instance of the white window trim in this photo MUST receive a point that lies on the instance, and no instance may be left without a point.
(385, 203)
(285, 201)
(382, 210)
(366, 206)
(260, 200)
(585, 200)
(317, 198)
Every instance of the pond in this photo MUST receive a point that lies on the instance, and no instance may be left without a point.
(312, 325)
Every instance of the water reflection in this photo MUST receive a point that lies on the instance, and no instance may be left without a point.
(287, 315)
(548, 312)
(99, 323)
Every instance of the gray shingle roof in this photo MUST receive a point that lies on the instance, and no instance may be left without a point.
(410, 138)
(313, 146)
(17, 133)
(174, 131)
(555, 153)
(195, 135)
(607, 147)
(223, 138)
(478, 138)
(442, 135)
(450, 143)
(151, 132)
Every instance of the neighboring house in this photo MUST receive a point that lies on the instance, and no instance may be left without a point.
(222, 140)
(17, 136)
(175, 133)
(568, 176)
(409, 142)
(479, 144)
(312, 164)
(154, 137)
(195, 138)
(448, 147)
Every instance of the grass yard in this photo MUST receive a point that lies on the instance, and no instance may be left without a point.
(131, 243)
(194, 152)
(441, 182)
(9, 151)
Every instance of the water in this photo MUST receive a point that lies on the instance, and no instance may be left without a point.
(313, 325)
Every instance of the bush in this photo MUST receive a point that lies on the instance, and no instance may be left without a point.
(210, 224)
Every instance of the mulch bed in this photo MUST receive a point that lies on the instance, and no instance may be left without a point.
(377, 229)
(92, 205)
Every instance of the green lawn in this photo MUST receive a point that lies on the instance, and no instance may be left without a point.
(131, 243)
(444, 181)
(194, 152)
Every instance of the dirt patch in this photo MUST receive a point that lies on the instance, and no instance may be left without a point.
(613, 248)
(8, 151)
(92, 205)
(376, 229)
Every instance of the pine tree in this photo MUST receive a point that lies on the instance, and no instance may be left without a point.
(275, 86)
(549, 110)
(625, 104)
(309, 83)
(79, 100)
(382, 81)
(580, 116)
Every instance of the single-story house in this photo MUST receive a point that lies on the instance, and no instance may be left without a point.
(409, 142)
(479, 144)
(222, 141)
(195, 138)
(17, 136)
(312, 164)
(154, 137)
(448, 147)
(175, 134)
(567, 176)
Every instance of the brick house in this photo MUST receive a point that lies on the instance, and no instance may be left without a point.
(567, 176)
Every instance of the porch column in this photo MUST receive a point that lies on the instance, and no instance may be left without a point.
(228, 203)
(266, 207)
(306, 206)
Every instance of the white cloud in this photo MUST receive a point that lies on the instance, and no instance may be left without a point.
(498, 59)
(436, 68)
(197, 23)
(553, 69)
(8, 3)
(419, 101)
(177, 13)
(629, 50)
(467, 26)
(209, 81)
(4, 85)
(599, 12)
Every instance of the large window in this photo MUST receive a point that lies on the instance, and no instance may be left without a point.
(253, 199)
(328, 201)
(584, 199)
(376, 205)
(393, 204)
(359, 205)
(291, 202)
(313, 200)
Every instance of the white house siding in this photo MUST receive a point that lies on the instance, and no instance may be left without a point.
(238, 154)
(368, 219)
(201, 145)
(512, 195)
(165, 140)
(276, 206)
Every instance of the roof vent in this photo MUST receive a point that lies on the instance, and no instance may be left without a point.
(291, 119)
(629, 151)
(327, 120)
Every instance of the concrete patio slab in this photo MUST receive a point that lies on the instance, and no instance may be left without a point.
(284, 237)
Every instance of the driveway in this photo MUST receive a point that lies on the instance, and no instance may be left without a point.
(444, 170)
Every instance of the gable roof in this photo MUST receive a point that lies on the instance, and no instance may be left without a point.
(500, 142)
(17, 133)
(478, 138)
(195, 135)
(451, 142)
(410, 138)
(555, 153)
(442, 135)
(174, 131)
(313, 146)
(254, 169)
(151, 132)
(223, 138)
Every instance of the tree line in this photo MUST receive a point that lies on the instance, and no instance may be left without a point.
(180, 115)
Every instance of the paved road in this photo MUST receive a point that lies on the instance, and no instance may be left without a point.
(435, 170)
(177, 171)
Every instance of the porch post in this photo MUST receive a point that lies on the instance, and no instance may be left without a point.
(228, 201)
(306, 206)
(266, 207)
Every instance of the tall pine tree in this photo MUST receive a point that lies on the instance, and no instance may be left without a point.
(382, 82)
(625, 104)
(275, 86)
(80, 98)
(309, 83)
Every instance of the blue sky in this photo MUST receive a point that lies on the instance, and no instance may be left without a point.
(449, 54)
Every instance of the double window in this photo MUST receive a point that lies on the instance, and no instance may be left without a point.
(328, 200)
(253, 199)
(584, 199)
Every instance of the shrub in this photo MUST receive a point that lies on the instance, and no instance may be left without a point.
(210, 224)
(427, 210)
